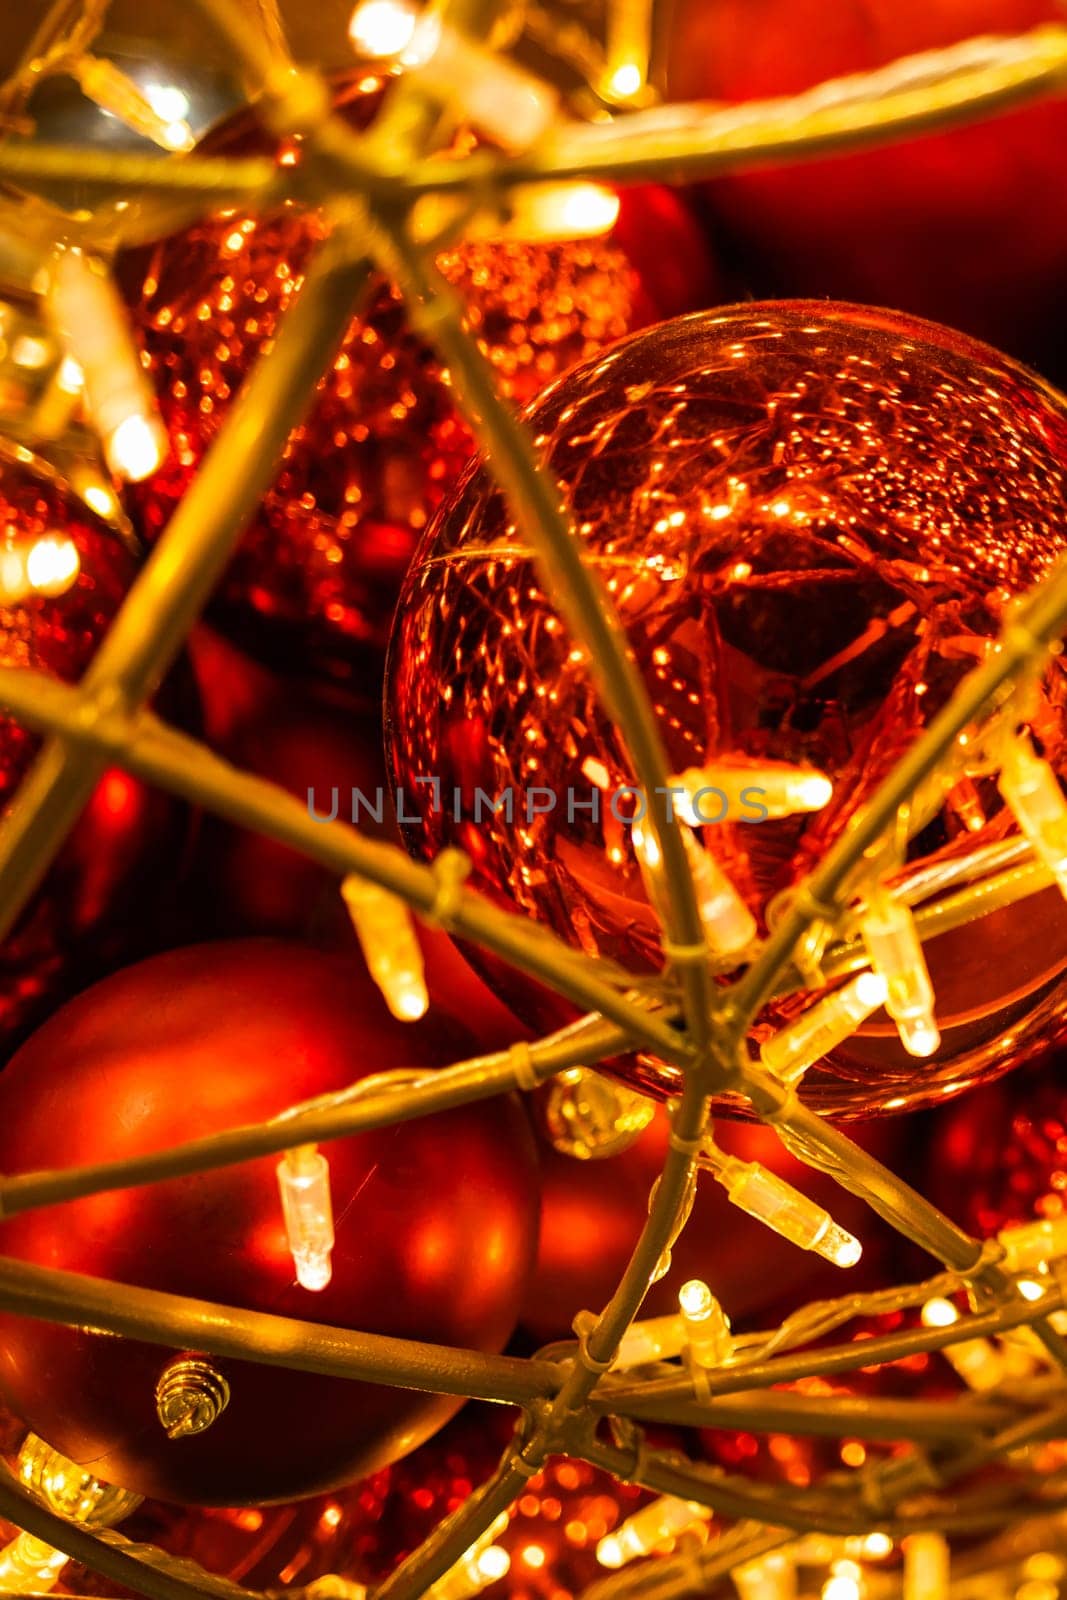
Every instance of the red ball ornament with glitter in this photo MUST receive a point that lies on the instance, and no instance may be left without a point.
(315, 579)
(64, 573)
(999, 1158)
(954, 225)
(435, 1219)
(545, 1548)
(811, 519)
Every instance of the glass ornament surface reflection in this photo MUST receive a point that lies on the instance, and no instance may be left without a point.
(811, 518)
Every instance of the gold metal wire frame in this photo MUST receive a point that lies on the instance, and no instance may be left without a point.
(569, 1399)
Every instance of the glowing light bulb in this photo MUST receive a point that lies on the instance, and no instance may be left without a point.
(1029, 1246)
(29, 1564)
(844, 1583)
(494, 96)
(729, 925)
(89, 316)
(135, 448)
(654, 1339)
(626, 80)
(537, 213)
(896, 954)
(771, 1577)
(46, 566)
(1032, 791)
(70, 378)
(167, 101)
(390, 946)
(483, 1564)
(543, 212)
(304, 1183)
(107, 86)
(52, 564)
(99, 498)
(707, 1327)
(791, 1214)
(793, 1049)
(382, 28)
(762, 792)
(977, 1361)
(926, 1566)
(639, 1535)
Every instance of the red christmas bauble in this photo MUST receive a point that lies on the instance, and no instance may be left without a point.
(329, 754)
(810, 518)
(552, 1530)
(87, 909)
(315, 579)
(435, 1219)
(592, 1213)
(953, 226)
(999, 1158)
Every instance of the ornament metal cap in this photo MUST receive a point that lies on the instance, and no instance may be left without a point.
(191, 1394)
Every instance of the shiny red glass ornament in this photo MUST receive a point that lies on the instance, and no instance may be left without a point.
(435, 1219)
(953, 225)
(89, 909)
(315, 579)
(811, 519)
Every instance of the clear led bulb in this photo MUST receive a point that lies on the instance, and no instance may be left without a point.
(707, 1327)
(729, 925)
(714, 792)
(896, 954)
(89, 316)
(793, 1049)
(775, 1202)
(1036, 801)
(304, 1183)
(30, 1565)
(655, 1523)
(386, 933)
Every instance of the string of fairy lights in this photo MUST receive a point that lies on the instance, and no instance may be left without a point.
(547, 177)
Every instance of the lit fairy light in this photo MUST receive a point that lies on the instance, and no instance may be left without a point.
(29, 1564)
(167, 101)
(386, 933)
(304, 1184)
(46, 566)
(896, 954)
(653, 1525)
(134, 449)
(626, 80)
(773, 1201)
(382, 28)
(89, 316)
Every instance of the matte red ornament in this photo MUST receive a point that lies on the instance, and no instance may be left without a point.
(315, 579)
(811, 519)
(86, 911)
(592, 1213)
(954, 226)
(435, 1220)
